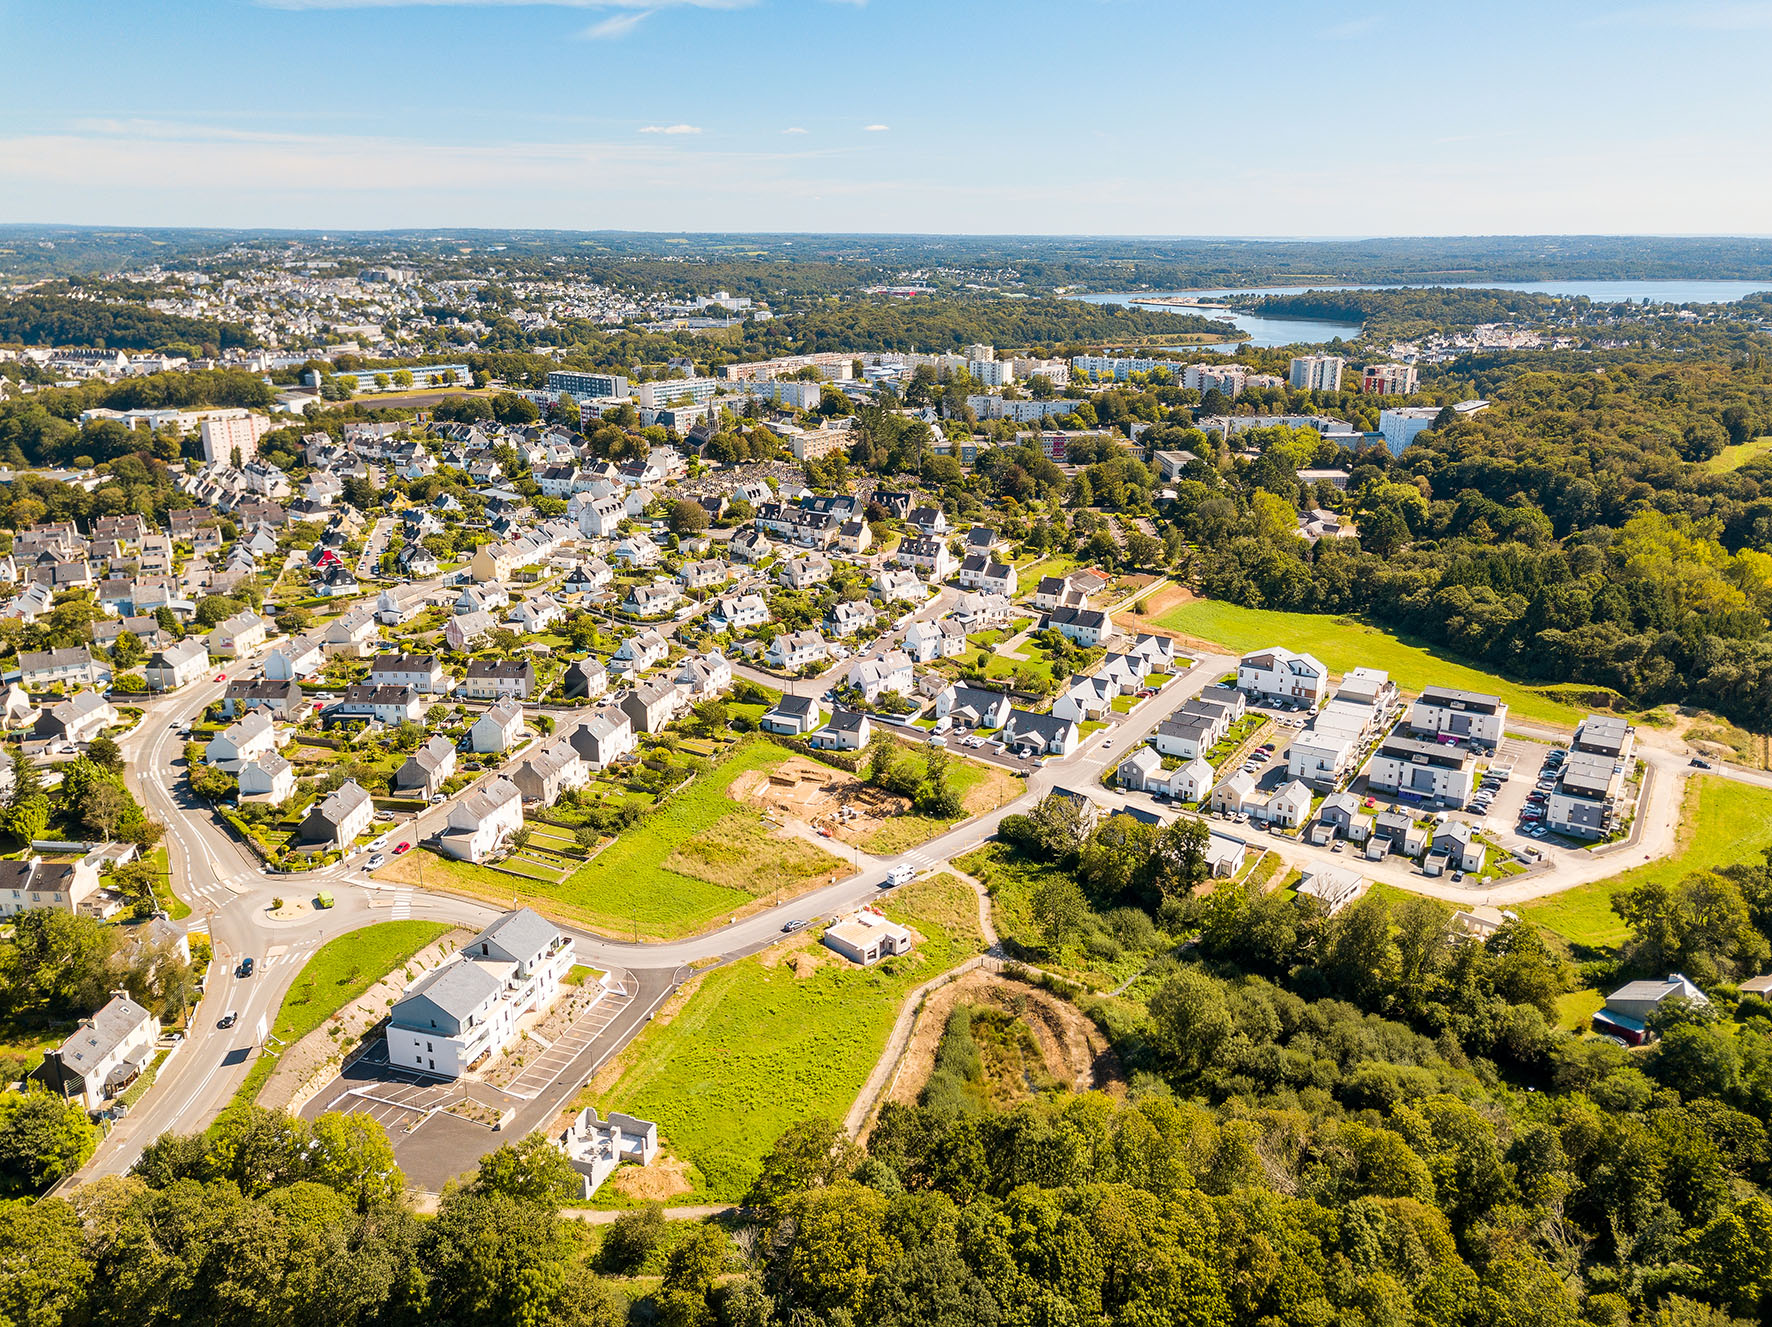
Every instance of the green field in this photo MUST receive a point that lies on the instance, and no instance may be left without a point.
(758, 1048)
(1344, 644)
(1737, 455)
(340, 971)
(1722, 822)
(966, 777)
(701, 857)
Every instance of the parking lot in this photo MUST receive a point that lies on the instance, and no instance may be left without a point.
(547, 1066)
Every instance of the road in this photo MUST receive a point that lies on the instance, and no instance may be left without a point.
(231, 898)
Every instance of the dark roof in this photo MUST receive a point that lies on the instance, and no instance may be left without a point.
(847, 721)
(798, 706)
(513, 668)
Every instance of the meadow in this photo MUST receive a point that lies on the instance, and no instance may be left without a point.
(1344, 644)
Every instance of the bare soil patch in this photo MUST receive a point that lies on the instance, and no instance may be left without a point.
(817, 795)
(1074, 1050)
(664, 1179)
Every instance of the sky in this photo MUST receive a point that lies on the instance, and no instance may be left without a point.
(1104, 117)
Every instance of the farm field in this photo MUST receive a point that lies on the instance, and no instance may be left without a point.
(1722, 822)
(1738, 454)
(1344, 644)
(780, 1037)
(702, 856)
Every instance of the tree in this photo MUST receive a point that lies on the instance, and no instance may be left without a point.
(105, 805)
(495, 1259)
(47, 1272)
(1060, 910)
(688, 517)
(43, 1138)
(533, 1170)
(811, 1154)
(127, 651)
(106, 754)
(632, 1237)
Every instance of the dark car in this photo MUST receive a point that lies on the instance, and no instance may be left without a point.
(793, 925)
(1699, 762)
(245, 967)
(228, 1019)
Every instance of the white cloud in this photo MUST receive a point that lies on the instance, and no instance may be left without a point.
(875, 128)
(670, 129)
(793, 129)
(616, 25)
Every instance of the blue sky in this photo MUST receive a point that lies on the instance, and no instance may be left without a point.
(1144, 117)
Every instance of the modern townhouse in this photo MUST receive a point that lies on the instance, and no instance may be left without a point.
(1470, 716)
(1280, 674)
(1046, 734)
(847, 730)
(792, 716)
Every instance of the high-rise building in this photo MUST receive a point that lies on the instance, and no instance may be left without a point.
(1316, 373)
(223, 436)
(1402, 425)
(587, 386)
(1389, 379)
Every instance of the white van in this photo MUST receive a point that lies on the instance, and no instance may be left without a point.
(900, 874)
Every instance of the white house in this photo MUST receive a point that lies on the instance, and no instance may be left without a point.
(239, 636)
(849, 617)
(929, 556)
(738, 612)
(793, 650)
(422, 672)
(1290, 807)
(1470, 715)
(294, 659)
(605, 739)
(804, 572)
(793, 716)
(537, 614)
(973, 707)
(550, 771)
(848, 730)
(340, 818)
(650, 705)
(639, 652)
(107, 1052)
(1277, 673)
(483, 820)
(266, 778)
(705, 675)
(31, 882)
(460, 633)
(901, 586)
(890, 672)
(1048, 734)
(179, 664)
(1085, 698)
(426, 769)
(498, 729)
(80, 718)
(867, 936)
(982, 572)
(1087, 627)
(464, 1012)
(241, 741)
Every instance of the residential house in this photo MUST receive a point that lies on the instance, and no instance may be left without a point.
(80, 718)
(847, 730)
(655, 600)
(31, 882)
(537, 614)
(1341, 813)
(855, 536)
(1471, 716)
(294, 659)
(1085, 698)
(243, 740)
(1395, 831)
(176, 666)
(930, 520)
(1047, 734)
(584, 679)
(902, 586)
(1277, 673)
(1055, 592)
(981, 572)
(427, 769)
(1141, 770)
(482, 822)
(703, 575)
(890, 672)
(1427, 771)
(1584, 803)
(636, 552)
(704, 676)
(488, 679)
(481, 599)
(70, 667)
(750, 547)
(1332, 886)
(605, 739)
(849, 617)
(1290, 807)
(337, 821)
(498, 729)
(980, 611)
(1186, 736)
(1603, 735)
(738, 612)
(385, 705)
(267, 777)
(1192, 782)
(106, 1053)
(792, 716)
(1158, 653)
(651, 705)
(549, 771)
(1087, 627)
(461, 633)
(973, 707)
(1457, 841)
(928, 556)
(1237, 795)
(587, 577)
(803, 573)
(793, 650)
(422, 672)
(639, 652)
(353, 634)
(866, 937)
(280, 699)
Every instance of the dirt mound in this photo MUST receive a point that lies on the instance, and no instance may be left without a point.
(817, 795)
(1074, 1050)
(665, 1178)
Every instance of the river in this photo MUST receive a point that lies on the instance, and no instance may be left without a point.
(1268, 331)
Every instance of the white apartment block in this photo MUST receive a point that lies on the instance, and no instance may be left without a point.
(1468, 715)
(223, 436)
(1316, 373)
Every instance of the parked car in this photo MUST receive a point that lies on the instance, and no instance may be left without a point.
(793, 925)
(404, 847)
(1700, 763)
(376, 860)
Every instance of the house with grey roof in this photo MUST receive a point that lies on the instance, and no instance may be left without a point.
(425, 769)
(340, 818)
(104, 1056)
(464, 1013)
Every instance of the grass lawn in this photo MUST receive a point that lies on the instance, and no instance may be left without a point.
(1576, 1007)
(340, 971)
(176, 907)
(981, 788)
(697, 859)
(1123, 704)
(1722, 822)
(1344, 644)
(757, 1047)
(1737, 455)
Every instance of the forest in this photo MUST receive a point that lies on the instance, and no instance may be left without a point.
(50, 320)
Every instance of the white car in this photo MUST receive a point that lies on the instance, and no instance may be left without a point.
(376, 860)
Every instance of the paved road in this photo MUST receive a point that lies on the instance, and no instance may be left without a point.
(230, 896)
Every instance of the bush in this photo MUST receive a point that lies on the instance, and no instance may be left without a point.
(632, 1238)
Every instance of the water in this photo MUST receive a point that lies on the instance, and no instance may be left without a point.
(1268, 331)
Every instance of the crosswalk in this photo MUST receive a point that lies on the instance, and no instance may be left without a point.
(922, 861)
(402, 905)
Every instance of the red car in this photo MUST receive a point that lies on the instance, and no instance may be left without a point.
(824, 831)
(402, 848)
(221, 677)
